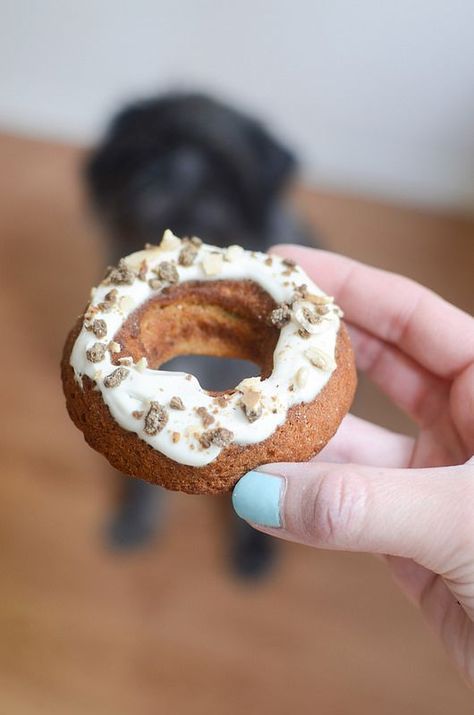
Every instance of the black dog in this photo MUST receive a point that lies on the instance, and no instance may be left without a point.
(199, 167)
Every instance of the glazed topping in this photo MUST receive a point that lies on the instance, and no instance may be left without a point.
(170, 410)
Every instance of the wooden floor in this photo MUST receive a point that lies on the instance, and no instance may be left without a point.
(86, 631)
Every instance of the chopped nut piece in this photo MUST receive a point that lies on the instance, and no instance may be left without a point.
(169, 242)
(89, 314)
(142, 271)
(206, 418)
(233, 253)
(156, 284)
(268, 261)
(126, 304)
(113, 347)
(122, 275)
(301, 377)
(175, 437)
(221, 400)
(300, 293)
(96, 353)
(196, 241)
(116, 377)
(319, 299)
(187, 254)
(305, 313)
(212, 263)
(176, 403)
(290, 266)
(141, 364)
(166, 271)
(303, 333)
(98, 327)
(219, 437)
(155, 418)
(127, 360)
(311, 316)
(251, 404)
(138, 414)
(111, 296)
(323, 309)
(109, 301)
(280, 316)
(320, 359)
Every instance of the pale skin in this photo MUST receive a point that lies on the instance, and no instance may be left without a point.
(372, 490)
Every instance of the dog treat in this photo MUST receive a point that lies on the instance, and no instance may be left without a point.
(163, 426)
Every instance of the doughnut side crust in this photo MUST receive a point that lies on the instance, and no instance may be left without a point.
(307, 429)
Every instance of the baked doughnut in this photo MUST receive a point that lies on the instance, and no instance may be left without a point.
(184, 297)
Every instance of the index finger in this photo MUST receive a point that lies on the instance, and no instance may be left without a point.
(396, 309)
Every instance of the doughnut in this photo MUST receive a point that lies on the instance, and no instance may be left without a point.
(185, 297)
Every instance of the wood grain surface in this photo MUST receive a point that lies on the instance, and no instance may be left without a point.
(168, 630)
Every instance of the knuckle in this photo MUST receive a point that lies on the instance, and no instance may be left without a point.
(334, 508)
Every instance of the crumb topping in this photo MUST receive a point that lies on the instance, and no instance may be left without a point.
(188, 253)
(98, 327)
(155, 419)
(176, 403)
(166, 271)
(290, 266)
(280, 316)
(175, 437)
(207, 419)
(219, 437)
(96, 353)
(142, 271)
(110, 299)
(116, 377)
(122, 275)
(138, 414)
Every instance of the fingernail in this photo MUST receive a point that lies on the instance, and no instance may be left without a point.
(256, 497)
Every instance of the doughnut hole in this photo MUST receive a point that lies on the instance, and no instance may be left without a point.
(226, 319)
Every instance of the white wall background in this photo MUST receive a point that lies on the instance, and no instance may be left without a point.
(377, 96)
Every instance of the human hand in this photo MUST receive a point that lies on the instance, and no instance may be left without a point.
(376, 491)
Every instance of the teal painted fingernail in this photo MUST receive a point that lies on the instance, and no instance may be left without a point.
(256, 498)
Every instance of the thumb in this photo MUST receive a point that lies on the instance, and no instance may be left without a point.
(424, 514)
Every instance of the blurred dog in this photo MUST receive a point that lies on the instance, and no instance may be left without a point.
(192, 164)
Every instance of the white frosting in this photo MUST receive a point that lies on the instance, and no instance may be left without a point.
(302, 365)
